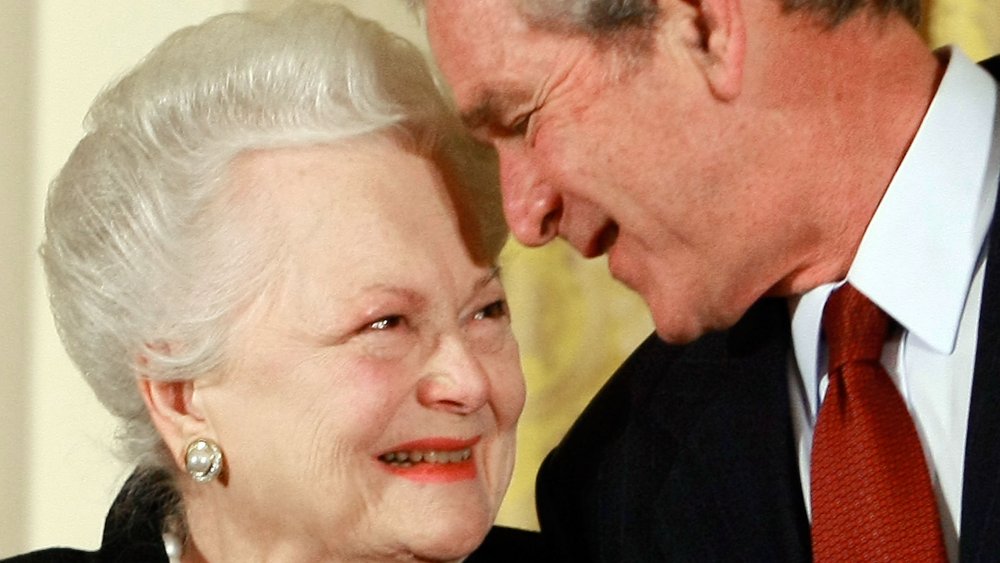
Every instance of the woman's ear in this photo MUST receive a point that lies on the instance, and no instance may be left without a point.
(723, 44)
(174, 410)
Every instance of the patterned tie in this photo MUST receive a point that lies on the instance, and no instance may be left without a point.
(871, 493)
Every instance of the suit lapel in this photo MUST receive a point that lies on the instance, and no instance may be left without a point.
(736, 450)
(980, 537)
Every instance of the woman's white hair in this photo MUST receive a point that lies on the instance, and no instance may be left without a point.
(143, 279)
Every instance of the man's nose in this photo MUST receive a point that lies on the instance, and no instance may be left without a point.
(532, 206)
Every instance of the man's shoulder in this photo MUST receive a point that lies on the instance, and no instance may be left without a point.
(660, 385)
(647, 438)
(762, 332)
(505, 545)
(992, 65)
(54, 555)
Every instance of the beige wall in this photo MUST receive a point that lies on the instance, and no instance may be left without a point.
(57, 474)
(390, 13)
(16, 75)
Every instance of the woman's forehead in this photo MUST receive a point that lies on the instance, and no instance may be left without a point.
(359, 185)
(346, 216)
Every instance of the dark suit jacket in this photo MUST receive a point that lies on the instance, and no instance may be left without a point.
(133, 534)
(687, 453)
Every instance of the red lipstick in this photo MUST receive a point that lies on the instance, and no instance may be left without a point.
(432, 460)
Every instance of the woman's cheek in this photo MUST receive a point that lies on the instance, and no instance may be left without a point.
(508, 385)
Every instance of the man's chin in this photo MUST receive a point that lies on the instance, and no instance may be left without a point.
(677, 326)
(684, 329)
(672, 334)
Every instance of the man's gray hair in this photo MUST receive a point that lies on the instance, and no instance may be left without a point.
(602, 18)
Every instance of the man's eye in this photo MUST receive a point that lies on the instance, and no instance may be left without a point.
(520, 125)
(386, 323)
(495, 310)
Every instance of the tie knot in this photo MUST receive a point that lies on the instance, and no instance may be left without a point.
(855, 327)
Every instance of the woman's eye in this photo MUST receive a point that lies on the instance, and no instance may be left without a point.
(495, 310)
(386, 323)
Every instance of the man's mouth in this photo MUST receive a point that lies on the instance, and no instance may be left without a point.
(409, 458)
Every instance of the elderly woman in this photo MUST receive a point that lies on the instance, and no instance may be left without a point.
(272, 256)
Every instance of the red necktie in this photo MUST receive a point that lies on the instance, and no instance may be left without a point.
(871, 493)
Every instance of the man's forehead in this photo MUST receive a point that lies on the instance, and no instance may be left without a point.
(473, 27)
(469, 10)
(475, 44)
(459, 42)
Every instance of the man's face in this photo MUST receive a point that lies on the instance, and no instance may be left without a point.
(637, 160)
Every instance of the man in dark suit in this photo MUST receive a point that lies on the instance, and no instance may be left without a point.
(738, 161)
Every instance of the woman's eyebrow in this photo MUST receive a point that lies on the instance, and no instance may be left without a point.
(407, 294)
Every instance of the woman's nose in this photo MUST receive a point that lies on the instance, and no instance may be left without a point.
(454, 381)
(532, 207)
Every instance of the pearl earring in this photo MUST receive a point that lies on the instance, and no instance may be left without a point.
(203, 460)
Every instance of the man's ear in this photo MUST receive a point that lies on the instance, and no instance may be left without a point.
(174, 410)
(723, 44)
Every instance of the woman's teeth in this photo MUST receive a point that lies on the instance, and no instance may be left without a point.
(408, 459)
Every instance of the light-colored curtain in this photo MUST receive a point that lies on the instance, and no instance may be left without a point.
(974, 25)
(575, 324)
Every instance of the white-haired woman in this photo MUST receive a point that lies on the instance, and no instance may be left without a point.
(272, 256)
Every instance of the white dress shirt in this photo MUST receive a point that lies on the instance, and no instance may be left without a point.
(921, 260)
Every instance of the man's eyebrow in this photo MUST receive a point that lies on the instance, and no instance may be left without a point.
(491, 105)
(486, 110)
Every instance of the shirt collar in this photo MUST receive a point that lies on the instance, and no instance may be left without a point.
(920, 250)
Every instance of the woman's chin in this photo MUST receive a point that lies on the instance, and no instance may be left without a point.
(451, 544)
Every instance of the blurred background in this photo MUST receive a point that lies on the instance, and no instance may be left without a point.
(57, 471)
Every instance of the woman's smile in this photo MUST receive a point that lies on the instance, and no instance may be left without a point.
(433, 460)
